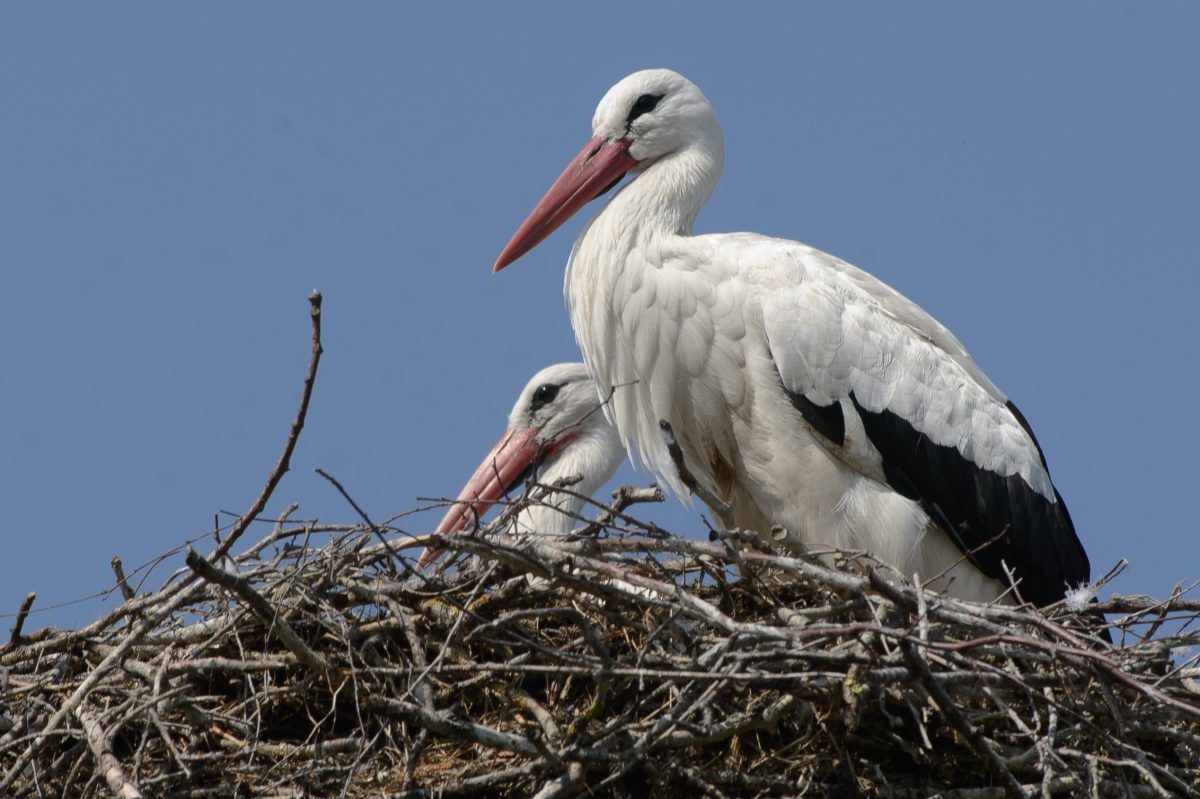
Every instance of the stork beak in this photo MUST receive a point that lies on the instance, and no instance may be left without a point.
(514, 455)
(598, 166)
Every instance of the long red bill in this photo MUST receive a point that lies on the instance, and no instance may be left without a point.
(499, 471)
(599, 164)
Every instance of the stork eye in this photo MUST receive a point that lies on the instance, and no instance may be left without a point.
(643, 105)
(544, 394)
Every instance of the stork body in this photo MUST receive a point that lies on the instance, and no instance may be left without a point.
(803, 391)
(557, 429)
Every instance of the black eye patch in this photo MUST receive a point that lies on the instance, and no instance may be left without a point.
(643, 105)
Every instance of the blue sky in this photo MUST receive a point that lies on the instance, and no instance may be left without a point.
(175, 180)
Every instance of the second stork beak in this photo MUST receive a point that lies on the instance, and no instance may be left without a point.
(514, 455)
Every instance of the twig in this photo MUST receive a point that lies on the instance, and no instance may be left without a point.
(624, 498)
(119, 572)
(156, 719)
(22, 614)
(285, 459)
(1046, 745)
(561, 784)
(718, 505)
(362, 514)
(107, 764)
(445, 724)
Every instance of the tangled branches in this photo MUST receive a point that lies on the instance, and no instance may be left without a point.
(614, 664)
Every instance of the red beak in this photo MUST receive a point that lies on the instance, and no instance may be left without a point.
(497, 474)
(599, 165)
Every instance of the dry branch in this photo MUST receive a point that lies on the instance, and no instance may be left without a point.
(22, 614)
(100, 742)
(285, 459)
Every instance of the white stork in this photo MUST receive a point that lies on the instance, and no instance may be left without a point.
(557, 429)
(804, 392)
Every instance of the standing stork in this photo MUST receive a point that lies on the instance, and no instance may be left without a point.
(557, 429)
(804, 392)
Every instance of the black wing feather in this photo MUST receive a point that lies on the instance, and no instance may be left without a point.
(1034, 536)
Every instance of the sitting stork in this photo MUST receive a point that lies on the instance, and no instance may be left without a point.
(557, 430)
(804, 392)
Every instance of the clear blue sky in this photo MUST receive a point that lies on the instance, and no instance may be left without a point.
(175, 179)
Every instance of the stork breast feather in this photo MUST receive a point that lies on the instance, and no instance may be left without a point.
(830, 339)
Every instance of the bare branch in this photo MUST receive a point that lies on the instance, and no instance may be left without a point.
(107, 764)
(285, 459)
(22, 614)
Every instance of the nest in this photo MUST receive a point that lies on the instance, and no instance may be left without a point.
(623, 662)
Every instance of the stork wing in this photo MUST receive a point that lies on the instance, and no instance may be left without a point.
(896, 396)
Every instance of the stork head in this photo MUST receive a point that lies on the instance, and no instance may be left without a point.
(657, 112)
(646, 117)
(557, 428)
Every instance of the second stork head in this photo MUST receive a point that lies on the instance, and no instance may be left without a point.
(556, 430)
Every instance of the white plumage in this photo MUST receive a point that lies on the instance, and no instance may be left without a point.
(803, 391)
(557, 429)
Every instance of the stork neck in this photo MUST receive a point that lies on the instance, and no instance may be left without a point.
(625, 246)
(668, 194)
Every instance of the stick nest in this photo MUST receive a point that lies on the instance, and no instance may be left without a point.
(625, 662)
